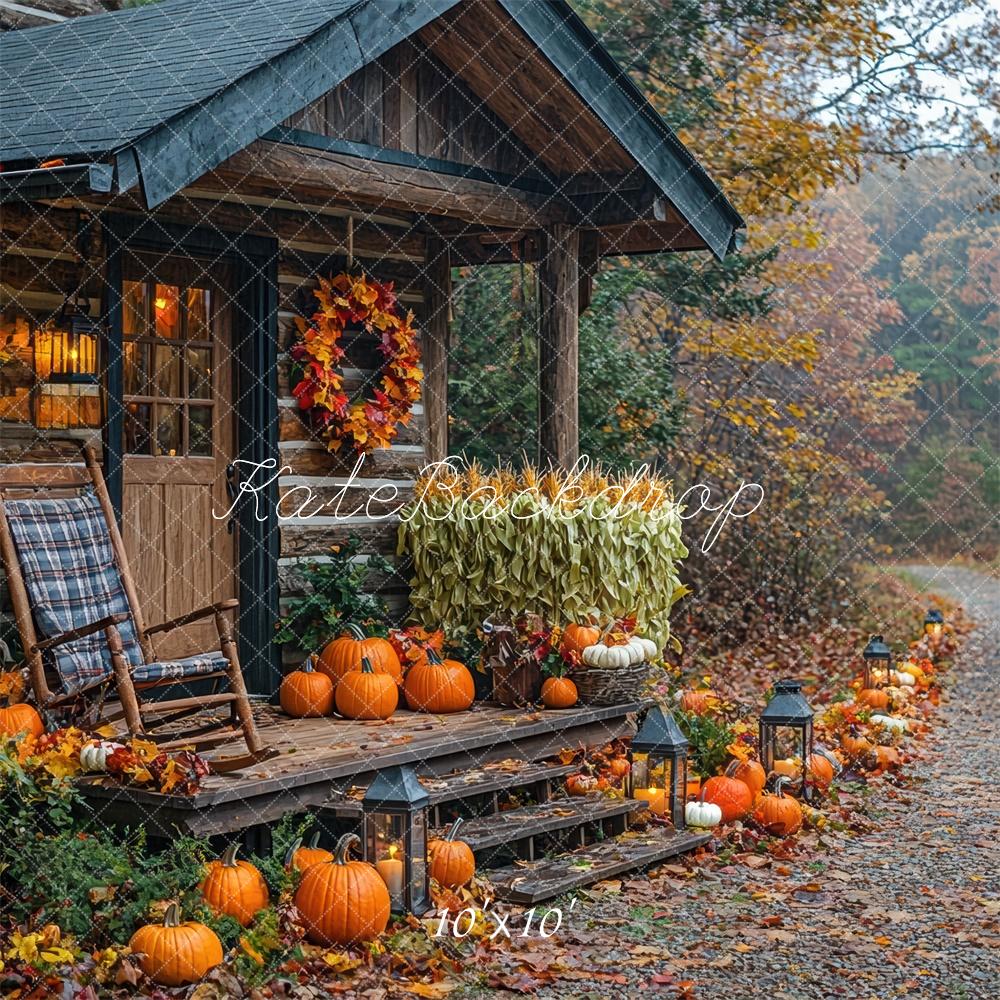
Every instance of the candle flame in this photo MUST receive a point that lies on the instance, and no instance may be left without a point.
(160, 303)
(392, 851)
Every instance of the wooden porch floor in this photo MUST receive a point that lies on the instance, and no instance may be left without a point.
(320, 759)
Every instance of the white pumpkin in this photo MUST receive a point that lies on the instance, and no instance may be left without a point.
(600, 655)
(649, 648)
(94, 755)
(891, 723)
(636, 653)
(702, 814)
(903, 680)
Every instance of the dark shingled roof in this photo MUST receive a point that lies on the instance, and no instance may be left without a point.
(169, 91)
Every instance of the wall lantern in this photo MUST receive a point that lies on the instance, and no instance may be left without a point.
(786, 730)
(395, 835)
(878, 663)
(68, 392)
(934, 623)
(658, 773)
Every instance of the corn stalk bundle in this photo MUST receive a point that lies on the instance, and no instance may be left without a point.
(565, 546)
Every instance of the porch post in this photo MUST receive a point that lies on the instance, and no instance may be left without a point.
(437, 300)
(558, 347)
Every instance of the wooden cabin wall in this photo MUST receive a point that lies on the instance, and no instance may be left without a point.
(407, 100)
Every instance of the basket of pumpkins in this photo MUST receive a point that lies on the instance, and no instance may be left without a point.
(613, 664)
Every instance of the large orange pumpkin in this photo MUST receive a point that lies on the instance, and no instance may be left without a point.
(439, 686)
(873, 697)
(301, 856)
(175, 953)
(306, 693)
(18, 719)
(752, 774)
(731, 795)
(343, 902)
(452, 861)
(576, 638)
(364, 694)
(559, 692)
(346, 652)
(233, 887)
(779, 814)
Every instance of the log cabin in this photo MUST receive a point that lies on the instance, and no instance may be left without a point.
(176, 177)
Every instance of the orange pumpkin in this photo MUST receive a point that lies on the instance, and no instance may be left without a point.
(301, 857)
(233, 887)
(20, 718)
(452, 862)
(855, 745)
(559, 692)
(873, 697)
(439, 686)
(697, 702)
(576, 638)
(777, 813)
(346, 652)
(731, 795)
(752, 774)
(619, 767)
(788, 768)
(823, 767)
(175, 953)
(343, 902)
(364, 694)
(306, 693)
(581, 784)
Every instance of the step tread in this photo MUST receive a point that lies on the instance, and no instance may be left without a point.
(543, 817)
(467, 784)
(532, 882)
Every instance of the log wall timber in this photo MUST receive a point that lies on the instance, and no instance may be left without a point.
(438, 306)
(558, 348)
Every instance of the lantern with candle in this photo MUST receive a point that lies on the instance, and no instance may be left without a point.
(658, 766)
(67, 394)
(395, 829)
(934, 623)
(878, 663)
(786, 731)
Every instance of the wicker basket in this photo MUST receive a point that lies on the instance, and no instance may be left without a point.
(610, 685)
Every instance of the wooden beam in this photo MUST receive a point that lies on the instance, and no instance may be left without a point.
(558, 347)
(590, 262)
(437, 302)
(284, 169)
(649, 237)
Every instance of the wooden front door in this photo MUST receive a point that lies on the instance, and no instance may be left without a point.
(178, 440)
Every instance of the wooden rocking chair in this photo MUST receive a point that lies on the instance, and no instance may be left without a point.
(79, 619)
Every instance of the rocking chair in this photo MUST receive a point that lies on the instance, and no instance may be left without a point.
(79, 619)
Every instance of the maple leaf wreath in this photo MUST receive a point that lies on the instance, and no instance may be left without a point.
(366, 423)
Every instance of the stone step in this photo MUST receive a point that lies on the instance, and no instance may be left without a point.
(530, 882)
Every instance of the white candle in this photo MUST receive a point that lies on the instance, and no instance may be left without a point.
(391, 870)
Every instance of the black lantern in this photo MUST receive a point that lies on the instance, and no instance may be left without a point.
(934, 623)
(658, 772)
(878, 658)
(68, 393)
(786, 730)
(395, 834)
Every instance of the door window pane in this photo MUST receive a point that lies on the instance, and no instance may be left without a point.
(166, 309)
(167, 368)
(198, 305)
(134, 308)
(136, 362)
(199, 365)
(168, 430)
(200, 430)
(138, 440)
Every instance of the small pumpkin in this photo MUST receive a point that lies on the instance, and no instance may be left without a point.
(346, 652)
(452, 862)
(619, 767)
(299, 857)
(789, 767)
(823, 768)
(777, 813)
(175, 953)
(730, 794)
(343, 902)
(873, 697)
(439, 686)
(95, 753)
(20, 718)
(702, 814)
(855, 745)
(697, 702)
(608, 657)
(891, 723)
(233, 887)
(559, 692)
(752, 774)
(576, 638)
(581, 784)
(364, 694)
(306, 693)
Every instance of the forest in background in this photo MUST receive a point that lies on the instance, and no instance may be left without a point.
(846, 359)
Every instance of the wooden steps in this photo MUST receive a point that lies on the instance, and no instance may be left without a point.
(529, 882)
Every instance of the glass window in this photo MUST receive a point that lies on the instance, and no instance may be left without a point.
(166, 309)
(135, 308)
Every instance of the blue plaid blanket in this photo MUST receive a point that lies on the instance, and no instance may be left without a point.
(69, 569)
